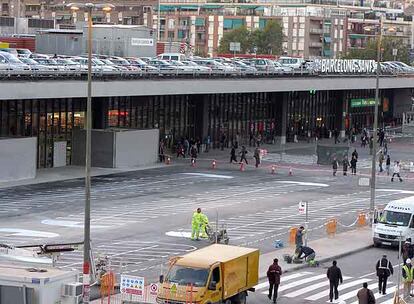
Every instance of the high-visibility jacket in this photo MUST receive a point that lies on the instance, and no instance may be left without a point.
(203, 219)
(408, 274)
(196, 220)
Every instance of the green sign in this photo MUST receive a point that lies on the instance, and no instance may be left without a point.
(362, 102)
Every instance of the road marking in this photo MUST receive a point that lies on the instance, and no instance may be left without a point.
(283, 278)
(70, 224)
(181, 234)
(325, 293)
(29, 233)
(209, 175)
(304, 183)
(396, 190)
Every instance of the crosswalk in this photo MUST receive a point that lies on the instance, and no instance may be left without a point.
(314, 287)
(133, 211)
(256, 227)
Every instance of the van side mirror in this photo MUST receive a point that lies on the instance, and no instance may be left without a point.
(212, 286)
(162, 278)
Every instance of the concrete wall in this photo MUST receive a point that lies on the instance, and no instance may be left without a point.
(62, 43)
(18, 158)
(12, 90)
(402, 102)
(117, 148)
(102, 148)
(136, 148)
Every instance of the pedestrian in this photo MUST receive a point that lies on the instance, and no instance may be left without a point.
(273, 275)
(355, 154)
(371, 145)
(186, 147)
(233, 154)
(161, 154)
(258, 139)
(203, 225)
(385, 148)
(407, 273)
(388, 164)
(336, 135)
(243, 153)
(384, 270)
(195, 225)
(193, 153)
(257, 156)
(334, 166)
(353, 165)
(198, 143)
(180, 150)
(345, 165)
(334, 275)
(406, 249)
(207, 142)
(381, 160)
(299, 237)
(396, 171)
(365, 295)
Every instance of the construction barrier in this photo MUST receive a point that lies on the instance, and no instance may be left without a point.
(292, 235)
(362, 220)
(331, 227)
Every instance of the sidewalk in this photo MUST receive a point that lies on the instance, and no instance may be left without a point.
(326, 249)
(70, 172)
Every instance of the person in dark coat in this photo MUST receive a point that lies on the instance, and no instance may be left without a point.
(334, 166)
(273, 275)
(233, 154)
(257, 156)
(355, 154)
(334, 275)
(353, 165)
(365, 295)
(384, 270)
(345, 165)
(243, 153)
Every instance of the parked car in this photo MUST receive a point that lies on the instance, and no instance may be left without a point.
(293, 62)
(263, 65)
(200, 68)
(12, 51)
(24, 53)
(10, 62)
(144, 66)
(216, 66)
(172, 56)
(165, 66)
(121, 62)
(97, 65)
(34, 65)
(244, 68)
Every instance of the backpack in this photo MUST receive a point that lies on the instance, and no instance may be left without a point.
(371, 298)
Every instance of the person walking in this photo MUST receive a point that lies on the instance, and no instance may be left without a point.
(396, 171)
(273, 275)
(405, 249)
(365, 295)
(233, 154)
(407, 274)
(186, 147)
(334, 275)
(193, 153)
(243, 153)
(257, 156)
(388, 164)
(299, 237)
(353, 165)
(355, 154)
(195, 225)
(334, 166)
(345, 165)
(384, 270)
(381, 161)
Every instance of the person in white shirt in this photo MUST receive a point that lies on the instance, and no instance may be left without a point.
(396, 171)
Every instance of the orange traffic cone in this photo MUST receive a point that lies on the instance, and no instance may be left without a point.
(273, 169)
(213, 164)
(168, 160)
(241, 166)
(290, 172)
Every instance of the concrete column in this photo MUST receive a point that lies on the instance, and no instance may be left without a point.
(343, 113)
(280, 116)
(100, 113)
(201, 115)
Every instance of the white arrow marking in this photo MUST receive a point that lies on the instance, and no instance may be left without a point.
(181, 234)
(29, 233)
(304, 183)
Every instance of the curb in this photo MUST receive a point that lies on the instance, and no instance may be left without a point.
(324, 260)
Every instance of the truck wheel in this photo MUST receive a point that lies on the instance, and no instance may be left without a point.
(241, 298)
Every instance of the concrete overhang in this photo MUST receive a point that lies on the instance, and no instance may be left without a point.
(146, 87)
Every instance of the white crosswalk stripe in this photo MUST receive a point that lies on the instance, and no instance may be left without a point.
(314, 287)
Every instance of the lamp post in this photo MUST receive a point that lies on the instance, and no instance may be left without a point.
(375, 126)
(88, 7)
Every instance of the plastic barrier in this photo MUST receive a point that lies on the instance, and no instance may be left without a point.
(362, 220)
(292, 235)
(331, 226)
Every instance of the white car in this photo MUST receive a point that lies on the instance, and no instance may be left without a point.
(199, 68)
(9, 62)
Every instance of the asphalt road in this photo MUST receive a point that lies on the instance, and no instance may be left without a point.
(311, 286)
(140, 219)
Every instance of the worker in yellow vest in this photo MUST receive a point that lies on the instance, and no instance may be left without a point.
(408, 274)
(196, 224)
(203, 225)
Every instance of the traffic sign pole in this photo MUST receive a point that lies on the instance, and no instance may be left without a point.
(306, 224)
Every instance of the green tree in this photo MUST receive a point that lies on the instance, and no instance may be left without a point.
(267, 41)
(241, 34)
(270, 39)
(387, 45)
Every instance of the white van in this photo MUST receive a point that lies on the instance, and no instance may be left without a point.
(292, 62)
(172, 56)
(396, 220)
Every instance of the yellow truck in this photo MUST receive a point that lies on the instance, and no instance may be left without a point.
(214, 274)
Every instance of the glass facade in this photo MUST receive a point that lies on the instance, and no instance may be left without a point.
(238, 115)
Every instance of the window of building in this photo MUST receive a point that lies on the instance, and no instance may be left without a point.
(181, 34)
(171, 34)
(171, 23)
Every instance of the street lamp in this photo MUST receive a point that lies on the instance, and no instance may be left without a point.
(375, 127)
(88, 126)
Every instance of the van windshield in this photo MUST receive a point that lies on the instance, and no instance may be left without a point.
(395, 218)
(183, 275)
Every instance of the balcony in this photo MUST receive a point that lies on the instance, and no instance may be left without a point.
(318, 31)
(315, 44)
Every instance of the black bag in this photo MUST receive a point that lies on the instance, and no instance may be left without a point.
(371, 298)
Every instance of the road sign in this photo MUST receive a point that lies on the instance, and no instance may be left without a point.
(153, 289)
(302, 207)
(132, 285)
(173, 288)
(235, 46)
